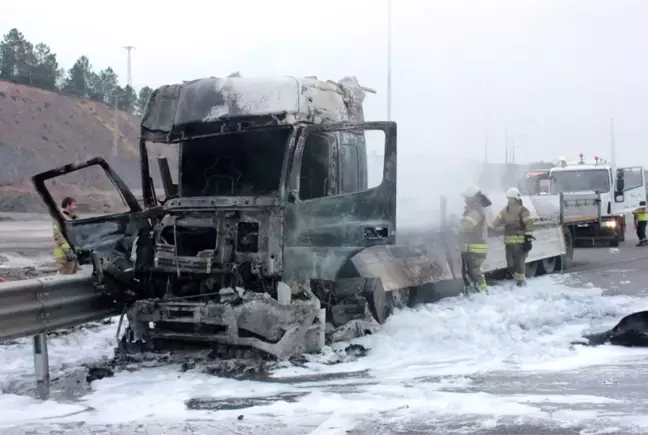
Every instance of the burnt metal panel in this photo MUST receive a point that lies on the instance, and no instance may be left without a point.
(321, 235)
(214, 105)
(116, 231)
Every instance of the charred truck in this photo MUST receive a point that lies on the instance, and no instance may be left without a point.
(251, 246)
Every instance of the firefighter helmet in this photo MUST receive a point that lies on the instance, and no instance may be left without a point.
(513, 193)
(470, 192)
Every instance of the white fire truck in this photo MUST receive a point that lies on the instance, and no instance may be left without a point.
(598, 196)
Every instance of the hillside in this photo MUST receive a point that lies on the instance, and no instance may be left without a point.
(40, 130)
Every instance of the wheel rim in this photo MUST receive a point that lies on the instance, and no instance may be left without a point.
(399, 298)
(531, 269)
(549, 265)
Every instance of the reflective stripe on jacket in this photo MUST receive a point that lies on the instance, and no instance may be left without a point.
(61, 246)
(640, 214)
(473, 231)
(517, 222)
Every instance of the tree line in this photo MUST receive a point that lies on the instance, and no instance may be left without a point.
(24, 63)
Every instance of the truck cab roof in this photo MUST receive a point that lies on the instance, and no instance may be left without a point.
(249, 102)
(580, 167)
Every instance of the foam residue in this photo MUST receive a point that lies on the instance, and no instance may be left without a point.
(507, 329)
(420, 367)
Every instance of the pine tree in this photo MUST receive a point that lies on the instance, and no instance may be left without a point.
(22, 62)
(46, 73)
(79, 78)
(142, 100)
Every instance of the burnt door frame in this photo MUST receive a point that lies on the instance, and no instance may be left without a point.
(99, 232)
(322, 234)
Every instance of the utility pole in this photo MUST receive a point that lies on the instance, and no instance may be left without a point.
(389, 55)
(612, 144)
(506, 145)
(486, 144)
(116, 135)
(487, 106)
(129, 71)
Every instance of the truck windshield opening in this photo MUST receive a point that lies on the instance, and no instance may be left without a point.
(580, 181)
(239, 164)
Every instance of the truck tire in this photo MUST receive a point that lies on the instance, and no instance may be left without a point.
(531, 269)
(547, 265)
(400, 299)
(377, 299)
(618, 237)
(382, 303)
(564, 262)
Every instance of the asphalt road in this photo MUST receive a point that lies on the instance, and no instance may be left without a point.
(617, 270)
(621, 270)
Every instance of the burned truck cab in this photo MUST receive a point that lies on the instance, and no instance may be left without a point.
(266, 201)
(223, 217)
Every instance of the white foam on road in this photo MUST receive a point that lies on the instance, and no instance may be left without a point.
(414, 360)
(508, 329)
(68, 351)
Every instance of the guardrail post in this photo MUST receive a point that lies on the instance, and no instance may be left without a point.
(41, 360)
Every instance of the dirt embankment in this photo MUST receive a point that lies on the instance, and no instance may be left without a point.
(42, 130)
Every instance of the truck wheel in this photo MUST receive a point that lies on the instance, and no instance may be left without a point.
(547, 266)
(616, 240)
(399, 298)
(379, 304)
(564, 262)
(531, 269)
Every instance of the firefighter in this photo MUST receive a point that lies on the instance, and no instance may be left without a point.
(518, 234)
(640, 215)
(66, 261)
(473, 232)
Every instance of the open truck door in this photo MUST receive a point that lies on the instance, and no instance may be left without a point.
(629, 188)
(332, 213)
(105, 240)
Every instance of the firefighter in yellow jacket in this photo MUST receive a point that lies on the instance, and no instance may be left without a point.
(66, 261)
(518, 234)
(640, 220)
(473, 233)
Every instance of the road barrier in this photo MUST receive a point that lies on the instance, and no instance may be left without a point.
(34, 307)
(39, 305)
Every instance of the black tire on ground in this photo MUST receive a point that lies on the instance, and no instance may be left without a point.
(616, 240)
(564, 262)
(547, 266)
(379, 304)
(531, 269)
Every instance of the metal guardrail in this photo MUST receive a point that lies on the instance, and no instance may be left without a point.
(39, 305)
